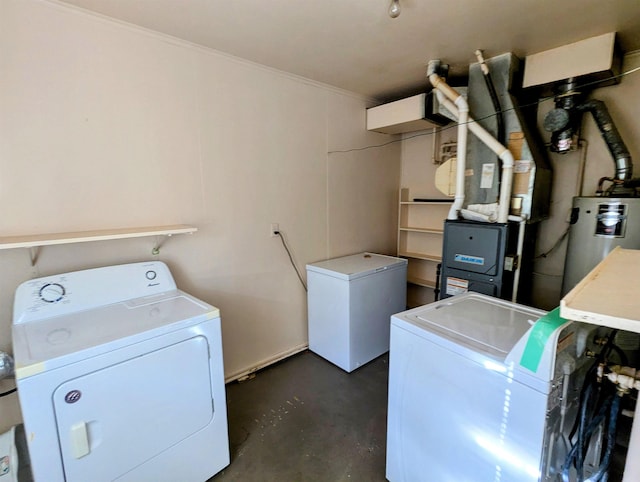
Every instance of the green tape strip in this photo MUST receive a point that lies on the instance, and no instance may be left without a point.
(538, 338)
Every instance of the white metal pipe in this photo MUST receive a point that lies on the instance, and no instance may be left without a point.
(519, 250)
(462, 109)
(435, 158)
(581, 166)
(483, 65)
(503, 153)
(461, 163)
(505, 185)
(461, 160)
(479, 131)
(475, 216)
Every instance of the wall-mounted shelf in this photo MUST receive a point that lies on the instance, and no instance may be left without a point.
(423, 230)
(420, 234)
(36, 241)
(436, 258)
(425, 283)
(609, 295)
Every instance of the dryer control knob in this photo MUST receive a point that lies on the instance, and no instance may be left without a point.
(52, 292)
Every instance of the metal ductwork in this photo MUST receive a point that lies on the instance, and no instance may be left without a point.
(623, 182)
(564, 124)
(617, 147)
(568, 70)
(502, 189)
(564, 121)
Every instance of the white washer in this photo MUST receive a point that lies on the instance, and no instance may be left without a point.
(120, 377)
(481, 389)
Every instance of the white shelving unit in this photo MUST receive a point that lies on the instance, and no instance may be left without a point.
(36, 241)
(420, 233)
(610, 296)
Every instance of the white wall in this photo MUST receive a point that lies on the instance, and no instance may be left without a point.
(104, 125)
(418, 169)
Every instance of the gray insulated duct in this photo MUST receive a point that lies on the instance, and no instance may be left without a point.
(617, 148)
(532, 172)
(623, 178)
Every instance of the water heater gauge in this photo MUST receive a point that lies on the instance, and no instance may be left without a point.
(52, 292)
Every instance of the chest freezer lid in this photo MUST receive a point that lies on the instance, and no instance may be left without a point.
(481, 323)
(356, 265)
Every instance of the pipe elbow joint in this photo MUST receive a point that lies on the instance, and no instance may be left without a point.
(507, 159)
(432, 67)
(462, 104)
(435, 81)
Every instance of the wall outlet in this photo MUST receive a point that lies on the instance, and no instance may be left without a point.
(274, 229)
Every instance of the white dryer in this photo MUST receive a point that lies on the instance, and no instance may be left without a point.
(120, 377)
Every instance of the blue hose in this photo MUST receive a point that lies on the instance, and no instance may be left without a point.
(587, 433)
(611, 441)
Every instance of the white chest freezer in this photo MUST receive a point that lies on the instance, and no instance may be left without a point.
(481, 389)
(350, 302)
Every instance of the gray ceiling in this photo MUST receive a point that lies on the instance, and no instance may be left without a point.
(355, 45)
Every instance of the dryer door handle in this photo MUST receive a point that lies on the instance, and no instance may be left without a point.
(79, 440)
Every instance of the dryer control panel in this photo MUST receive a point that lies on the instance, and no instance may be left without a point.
(80, 290)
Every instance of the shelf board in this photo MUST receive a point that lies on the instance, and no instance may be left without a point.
(609, 295)
(427, 283)
(430, 202)
(422, 230)
(37, 240)
(427, 257)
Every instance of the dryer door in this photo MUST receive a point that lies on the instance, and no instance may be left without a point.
(116, 418)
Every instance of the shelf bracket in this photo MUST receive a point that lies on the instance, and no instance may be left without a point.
(159, 242)
(34, 252)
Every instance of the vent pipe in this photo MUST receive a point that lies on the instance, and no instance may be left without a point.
(458, 106)
(611, 136)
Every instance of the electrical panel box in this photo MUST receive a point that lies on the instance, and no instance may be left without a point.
(474, 258)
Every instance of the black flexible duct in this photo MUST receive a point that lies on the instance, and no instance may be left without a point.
(496, 107)
(494, 97)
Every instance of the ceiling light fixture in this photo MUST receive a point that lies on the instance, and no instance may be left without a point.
(394, 9)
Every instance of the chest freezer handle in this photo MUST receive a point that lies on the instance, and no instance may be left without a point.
(381, 269)
(79, 440)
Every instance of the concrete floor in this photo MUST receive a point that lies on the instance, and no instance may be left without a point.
(305, 419)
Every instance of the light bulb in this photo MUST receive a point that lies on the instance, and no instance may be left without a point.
(394, 8)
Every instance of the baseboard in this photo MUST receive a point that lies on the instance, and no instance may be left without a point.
(266, 362)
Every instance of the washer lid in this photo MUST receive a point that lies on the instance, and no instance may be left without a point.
(50, 343)
(481, 323)
(356, 265)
